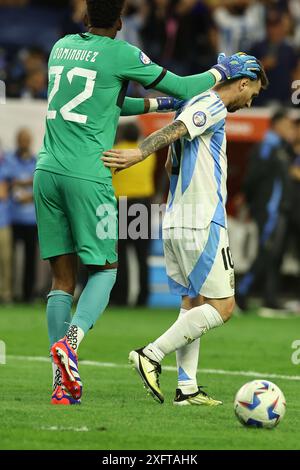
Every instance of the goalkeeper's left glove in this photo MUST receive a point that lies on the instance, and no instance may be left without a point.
(236, 66)
(165, 104)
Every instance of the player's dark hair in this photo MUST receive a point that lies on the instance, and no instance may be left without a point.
(104, 13)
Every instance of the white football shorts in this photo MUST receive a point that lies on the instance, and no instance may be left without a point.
(199, 261)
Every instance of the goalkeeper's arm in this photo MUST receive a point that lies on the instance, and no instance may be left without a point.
(135, 106)
(184, 88)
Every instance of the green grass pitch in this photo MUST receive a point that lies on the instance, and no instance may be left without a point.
(116, 413)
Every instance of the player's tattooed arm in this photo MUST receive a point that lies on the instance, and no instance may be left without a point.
(122, 159)
(163, 138)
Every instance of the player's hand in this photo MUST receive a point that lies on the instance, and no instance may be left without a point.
(121, 159)
(237, 65)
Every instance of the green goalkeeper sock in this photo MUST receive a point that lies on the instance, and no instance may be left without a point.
(59, 308)
(92, 303)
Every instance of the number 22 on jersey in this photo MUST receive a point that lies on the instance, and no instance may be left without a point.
(67, 110)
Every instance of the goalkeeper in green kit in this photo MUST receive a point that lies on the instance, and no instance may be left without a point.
(74, 198)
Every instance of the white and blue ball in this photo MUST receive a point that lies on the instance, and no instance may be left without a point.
(260, 404)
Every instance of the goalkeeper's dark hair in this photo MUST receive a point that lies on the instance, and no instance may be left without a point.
(104, 13)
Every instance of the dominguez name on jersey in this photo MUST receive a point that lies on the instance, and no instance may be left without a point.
(64, 53)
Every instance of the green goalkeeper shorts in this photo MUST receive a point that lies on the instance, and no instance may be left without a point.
(76, 216)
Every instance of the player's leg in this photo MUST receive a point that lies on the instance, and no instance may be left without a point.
(187, 357)
(60, 298)
(194, 324)
(95, 230)
(92, 302)
(212, 274)
(95, 243)
(56, 245)
(188, 391)
(59, 307)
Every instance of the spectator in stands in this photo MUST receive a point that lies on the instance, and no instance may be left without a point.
(5, 236)
(295, 175)
(241, 23)
(14, 3)
(35, 85)
(27, 74)
(294, 8)
(177, 33)
(128, 183)
(268, 194)
(73, 22)
(21, 169)
(133, 20)
(279, 59)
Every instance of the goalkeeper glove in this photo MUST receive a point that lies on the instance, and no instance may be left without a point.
(165, 104)
(236, 66)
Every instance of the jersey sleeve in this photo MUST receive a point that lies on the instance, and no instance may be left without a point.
(201, 115)
(135, 65)
(133, 106)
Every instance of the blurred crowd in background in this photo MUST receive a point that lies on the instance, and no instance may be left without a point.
(17, 218)
(185, 36)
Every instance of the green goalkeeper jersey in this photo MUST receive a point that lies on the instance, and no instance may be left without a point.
(88, 78)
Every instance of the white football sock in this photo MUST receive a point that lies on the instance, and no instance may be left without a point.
(75, 335)
(193, 324)
(153, 352)
(187, 362)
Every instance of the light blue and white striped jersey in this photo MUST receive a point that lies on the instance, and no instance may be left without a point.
(198, 190)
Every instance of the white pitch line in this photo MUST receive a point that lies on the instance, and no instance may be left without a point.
(240, 373)
(63, 428)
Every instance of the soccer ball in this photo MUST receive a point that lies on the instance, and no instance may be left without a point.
(260, 404)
